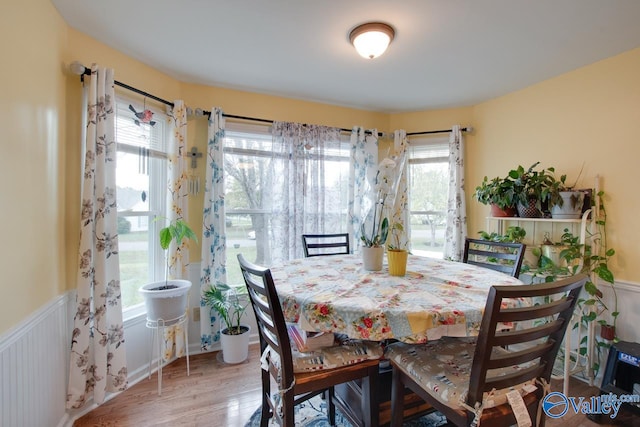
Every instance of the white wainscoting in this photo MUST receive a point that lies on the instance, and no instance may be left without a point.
(33, 368)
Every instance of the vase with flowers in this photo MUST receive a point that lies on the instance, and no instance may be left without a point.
(374, 227)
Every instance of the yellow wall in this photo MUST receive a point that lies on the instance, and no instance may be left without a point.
(587, 116)
(32, 161)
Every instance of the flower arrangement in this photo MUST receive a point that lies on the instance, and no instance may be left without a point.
(374, 233)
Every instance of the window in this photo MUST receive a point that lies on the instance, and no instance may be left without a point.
(141, 177)
(255, 174)
(428, 191)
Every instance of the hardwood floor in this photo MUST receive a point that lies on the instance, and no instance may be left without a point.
(216, 394)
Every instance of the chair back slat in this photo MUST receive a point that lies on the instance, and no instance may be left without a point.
(325, 244)
(520, 357)
(499, 256)
(515, 378)
(505, 339)
(532, 341)
(519, 314)
(270, 319)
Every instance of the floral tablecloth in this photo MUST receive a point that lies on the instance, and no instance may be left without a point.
(436, 297)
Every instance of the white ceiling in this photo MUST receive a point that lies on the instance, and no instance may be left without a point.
(447, 53)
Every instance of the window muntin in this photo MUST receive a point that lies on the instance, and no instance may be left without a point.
(141, 180)
(428, 192)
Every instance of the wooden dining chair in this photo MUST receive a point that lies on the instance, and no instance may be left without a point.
(467, 378)
(352, 360)
(499, 256)
(325, 244)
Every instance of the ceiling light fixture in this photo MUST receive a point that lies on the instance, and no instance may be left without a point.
(371, 39)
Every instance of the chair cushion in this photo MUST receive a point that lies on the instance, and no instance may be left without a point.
(344, 352)
(443, 367)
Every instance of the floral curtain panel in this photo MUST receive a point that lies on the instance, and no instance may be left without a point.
(97, 358)
(300, 200)
(213, 264)
(363, 168)
(456, 228)
(177, 206)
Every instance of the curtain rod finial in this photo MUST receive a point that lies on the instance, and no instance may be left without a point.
(77, 68)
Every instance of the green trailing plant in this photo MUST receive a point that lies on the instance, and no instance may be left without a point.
(595, 263)
(227, 301)
(513, 234)
(176, 231)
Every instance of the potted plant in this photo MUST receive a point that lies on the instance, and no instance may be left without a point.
(500, 194)
(374, 239)
(532, 188)
(564, 201)
(230, 304)
(166, 300)
(395, 254)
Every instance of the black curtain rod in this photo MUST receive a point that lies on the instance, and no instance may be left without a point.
(87, 71)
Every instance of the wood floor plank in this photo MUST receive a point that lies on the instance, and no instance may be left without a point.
(216, 394)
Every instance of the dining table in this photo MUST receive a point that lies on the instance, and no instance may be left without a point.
(435, 298)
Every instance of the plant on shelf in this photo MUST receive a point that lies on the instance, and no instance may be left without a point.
(513, 234)
(227, 301)
(564, 200)
(499, 192)
(532, 188)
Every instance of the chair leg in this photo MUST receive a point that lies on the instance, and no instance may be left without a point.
(397, 398)
(370, 405)
(331, 411)
(287, 409)
(265, 414)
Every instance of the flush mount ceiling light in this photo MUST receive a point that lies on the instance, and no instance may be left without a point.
(371, 39)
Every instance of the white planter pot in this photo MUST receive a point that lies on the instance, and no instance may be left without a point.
(235, 348)
(372, 258)
(571, 208)
(166, 300)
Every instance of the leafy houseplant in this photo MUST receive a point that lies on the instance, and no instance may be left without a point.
(228, 303)
(500, 192)
(532, 187)
(176, 231)
(167, 300)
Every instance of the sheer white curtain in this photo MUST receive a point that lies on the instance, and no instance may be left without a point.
(306, 186)
(363, 166)
(400, 213)
(97, 357)
(456, 229)
(214, 255)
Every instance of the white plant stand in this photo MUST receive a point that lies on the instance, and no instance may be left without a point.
(157, 328)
